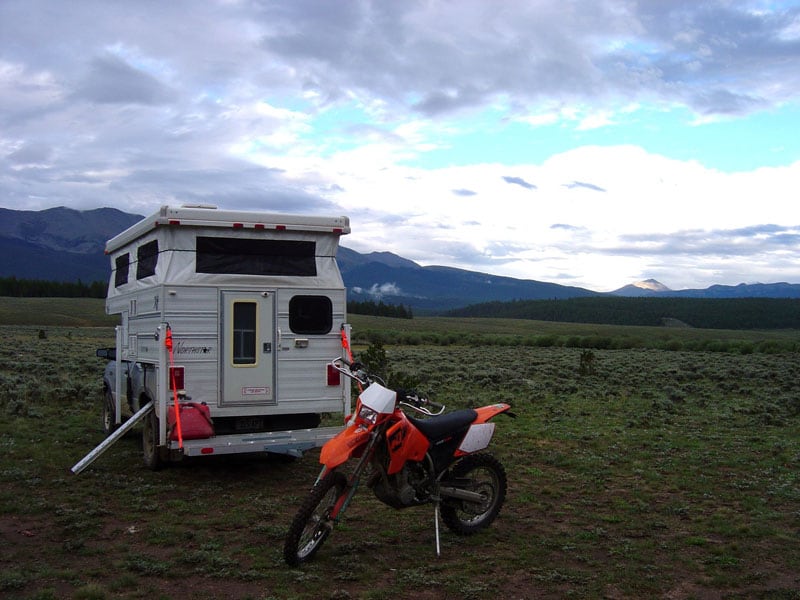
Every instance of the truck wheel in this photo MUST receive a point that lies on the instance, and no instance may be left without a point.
(109, 413)
(150, 449)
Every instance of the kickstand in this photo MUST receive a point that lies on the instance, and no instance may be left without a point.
(436, 523)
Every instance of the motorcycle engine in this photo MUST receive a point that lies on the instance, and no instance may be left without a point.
(401, 489)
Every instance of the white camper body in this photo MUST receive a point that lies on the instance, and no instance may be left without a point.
(255, 305)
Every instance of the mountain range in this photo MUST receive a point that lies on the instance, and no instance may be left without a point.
(62, 244)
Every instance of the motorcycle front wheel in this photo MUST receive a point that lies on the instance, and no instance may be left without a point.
(481, 473)
(312, 524)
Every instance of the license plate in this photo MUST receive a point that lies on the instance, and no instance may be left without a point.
(249, 423)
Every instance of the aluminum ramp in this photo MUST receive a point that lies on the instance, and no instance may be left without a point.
(109, 441)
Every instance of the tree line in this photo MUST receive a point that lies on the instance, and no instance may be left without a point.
(706, 313)
(379, 309)
(40, 288)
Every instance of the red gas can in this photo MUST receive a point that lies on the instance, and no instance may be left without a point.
(196, 421)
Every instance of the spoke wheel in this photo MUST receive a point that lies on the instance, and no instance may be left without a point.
(487, 477)
(312, 525)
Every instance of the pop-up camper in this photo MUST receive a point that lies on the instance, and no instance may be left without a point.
(234, 316)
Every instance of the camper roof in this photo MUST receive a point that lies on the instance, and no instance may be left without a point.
(210, 216)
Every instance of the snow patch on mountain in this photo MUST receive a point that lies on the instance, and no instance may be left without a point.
(652, 285)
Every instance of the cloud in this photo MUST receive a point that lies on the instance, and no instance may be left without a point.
(741, 242)
(584, 185)
(30, 153)
(565, 227)
(519, 181)
(429, 137)
(113, 81)
(725, 102)
(380, 290)
(606, 49)
(25, 92)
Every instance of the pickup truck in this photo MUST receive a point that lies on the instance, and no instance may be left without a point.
(135, 392)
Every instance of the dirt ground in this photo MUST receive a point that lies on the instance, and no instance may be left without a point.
(377, 553)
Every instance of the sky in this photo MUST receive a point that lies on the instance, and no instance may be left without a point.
(592, 143)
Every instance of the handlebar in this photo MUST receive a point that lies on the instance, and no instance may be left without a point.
(420, 404)
(409, 398)
(355, 370)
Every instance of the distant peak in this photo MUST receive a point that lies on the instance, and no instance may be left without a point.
(652, 285)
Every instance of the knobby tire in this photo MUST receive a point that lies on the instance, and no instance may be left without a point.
(487, 477)
(311, 525)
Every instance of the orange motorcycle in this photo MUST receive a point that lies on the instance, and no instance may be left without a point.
(406, 461)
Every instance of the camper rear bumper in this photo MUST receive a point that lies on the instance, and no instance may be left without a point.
(293, 443)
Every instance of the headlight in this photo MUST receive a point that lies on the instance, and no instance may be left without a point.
(368, 415)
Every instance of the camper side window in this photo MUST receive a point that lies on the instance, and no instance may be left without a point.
(244, 333)
(121, 266)
(147, 258)
(310, 315)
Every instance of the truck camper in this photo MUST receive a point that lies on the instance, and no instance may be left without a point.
(228, 323)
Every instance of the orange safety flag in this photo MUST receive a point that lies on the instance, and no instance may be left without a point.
(346, 346)
(168, 344)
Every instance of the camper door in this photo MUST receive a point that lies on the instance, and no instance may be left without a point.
(248, 343)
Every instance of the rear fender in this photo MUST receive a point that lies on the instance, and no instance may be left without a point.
(485, 413)
(480, 433)
(346, 444)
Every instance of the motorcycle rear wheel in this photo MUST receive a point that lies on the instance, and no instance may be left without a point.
(487, 477)
(312, 524)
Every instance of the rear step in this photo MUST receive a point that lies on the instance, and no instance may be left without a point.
(293, 442)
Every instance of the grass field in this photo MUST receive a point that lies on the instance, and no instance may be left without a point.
(643, 472)
(66, 312)
(90, 312)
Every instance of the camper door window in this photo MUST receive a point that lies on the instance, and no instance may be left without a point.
(256, 256)
(244, 333)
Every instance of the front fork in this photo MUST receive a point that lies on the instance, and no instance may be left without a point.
(352, 482)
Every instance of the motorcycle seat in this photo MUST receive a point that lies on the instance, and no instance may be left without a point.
(436, 428)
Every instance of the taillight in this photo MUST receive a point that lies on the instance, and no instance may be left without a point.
(176, 377)
(334, 377)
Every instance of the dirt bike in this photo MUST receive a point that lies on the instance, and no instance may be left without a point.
(406, 461)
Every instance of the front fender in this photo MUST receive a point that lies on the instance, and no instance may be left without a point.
(349, 442)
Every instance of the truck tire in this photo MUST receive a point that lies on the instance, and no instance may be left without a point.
(109, 413)
(150, 447)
